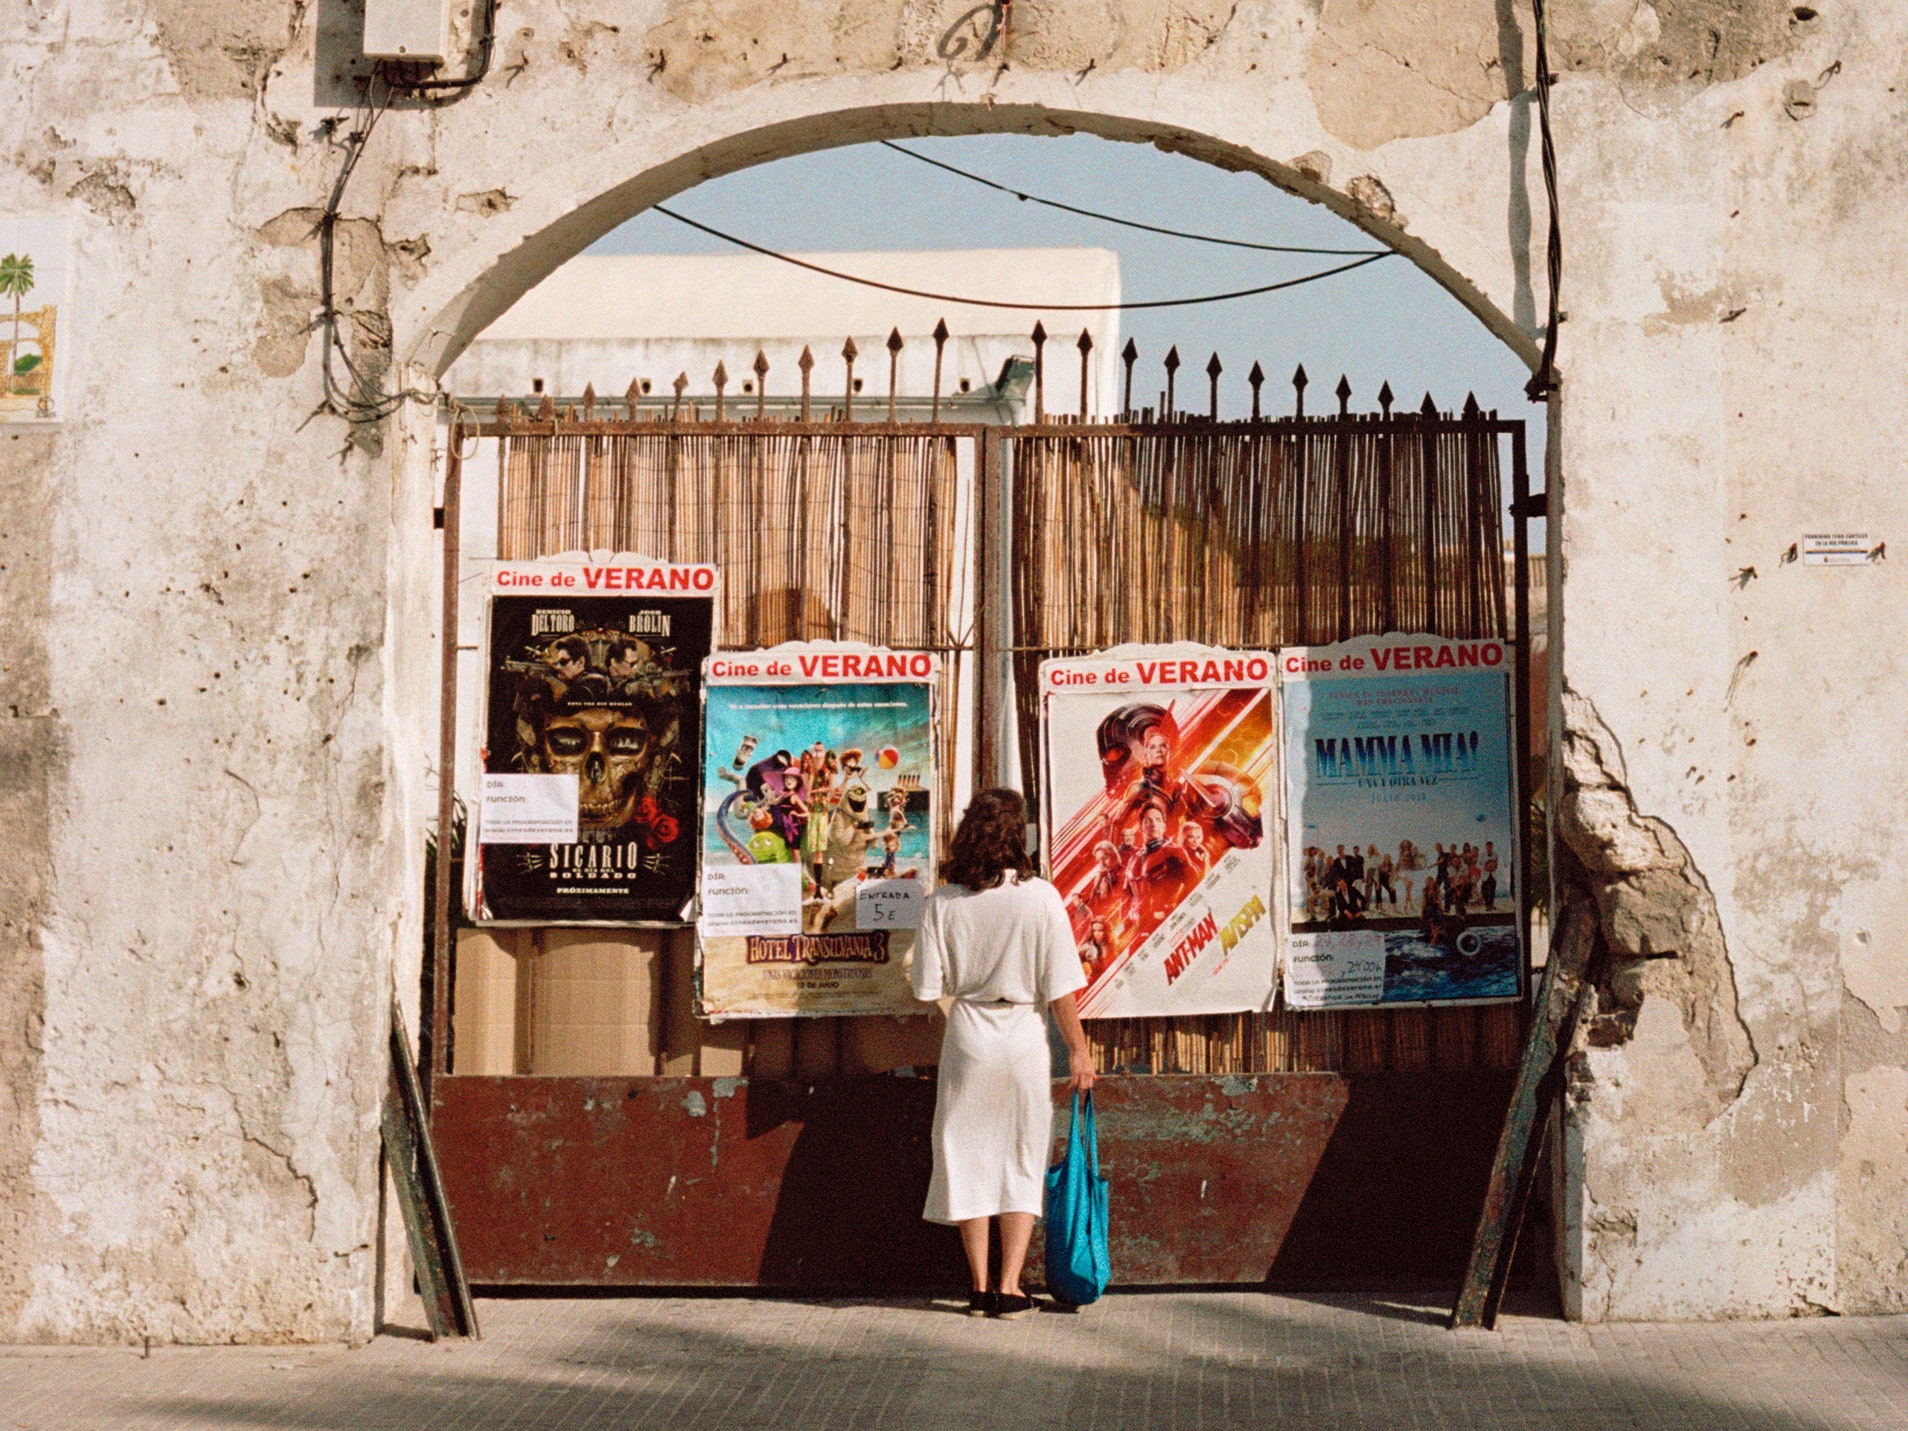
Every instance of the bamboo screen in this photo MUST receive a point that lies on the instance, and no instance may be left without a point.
(841, 535)
(1261, 536)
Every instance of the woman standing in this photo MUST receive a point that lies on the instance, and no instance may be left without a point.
(997, 940)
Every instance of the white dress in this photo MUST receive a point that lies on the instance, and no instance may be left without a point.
(1002, 955)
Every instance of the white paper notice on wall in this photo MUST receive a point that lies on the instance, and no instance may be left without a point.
(751, 899)
(528, 810)
(889, 904)
(1327, 971)
(1840, 549)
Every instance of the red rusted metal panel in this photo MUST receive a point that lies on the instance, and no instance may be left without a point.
(1205, 1174)
(729, 1182)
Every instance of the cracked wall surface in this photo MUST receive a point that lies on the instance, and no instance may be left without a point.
(220, 663)
(1662, 938)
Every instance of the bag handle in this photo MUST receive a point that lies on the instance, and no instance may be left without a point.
(1092, 1134)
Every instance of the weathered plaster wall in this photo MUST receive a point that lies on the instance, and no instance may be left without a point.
(219, 664)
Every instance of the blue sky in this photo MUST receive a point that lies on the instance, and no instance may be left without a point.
(1386, 321)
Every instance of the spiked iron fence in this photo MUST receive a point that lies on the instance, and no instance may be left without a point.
(845, 521)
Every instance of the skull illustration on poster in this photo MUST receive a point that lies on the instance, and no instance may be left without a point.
(603, 690)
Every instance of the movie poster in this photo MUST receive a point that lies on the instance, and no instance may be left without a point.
(592, 729)
(1160, 762)
(1400, 821)
(818, 795)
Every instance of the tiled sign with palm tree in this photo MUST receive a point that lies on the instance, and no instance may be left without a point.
(32, 304)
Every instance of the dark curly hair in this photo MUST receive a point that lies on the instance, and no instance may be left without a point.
(992, 838)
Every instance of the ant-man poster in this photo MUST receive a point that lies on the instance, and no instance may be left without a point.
(1160, 761)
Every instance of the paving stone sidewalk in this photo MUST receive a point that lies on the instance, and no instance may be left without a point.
(1178, 1360)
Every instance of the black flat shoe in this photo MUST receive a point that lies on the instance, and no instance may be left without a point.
(980, 1304)
(1012, 1306)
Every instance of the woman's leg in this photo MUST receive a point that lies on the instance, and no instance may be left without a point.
(1016, 1231)
(974, 1244)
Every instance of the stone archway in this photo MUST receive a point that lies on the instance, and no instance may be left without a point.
(1364, 200)
(436, 342)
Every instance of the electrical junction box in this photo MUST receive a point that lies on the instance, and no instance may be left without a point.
(413, 30)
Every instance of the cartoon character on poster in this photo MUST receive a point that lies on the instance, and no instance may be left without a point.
(817, 819)
(1158, 762)
(1400, 823)
(593, 698)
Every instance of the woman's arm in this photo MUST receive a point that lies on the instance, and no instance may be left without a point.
(1079, 1055)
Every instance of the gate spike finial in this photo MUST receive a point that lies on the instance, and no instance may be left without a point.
(631, 394)
(940, 346)
(1213, 369)
(1128, 355)
(1085, 345)
(721, 381)
(1428, 408)
(1385, 398)
(546, 409)
(807, 364)
(1172, 372)
(761, 383)
(1470, 405)
(895, 346)
(849, 353)
(1299, 381)
(1256, 380)
(589, 400)
(1343, 393)
(1040, 372)
(682, 381)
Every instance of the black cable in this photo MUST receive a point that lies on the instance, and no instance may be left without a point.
(1545, 378)
(1030, 307)
(1115, 219)
(451, 88)
(362, 402)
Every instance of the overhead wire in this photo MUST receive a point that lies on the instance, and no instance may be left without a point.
(358, 407)
(906, 292)
(1026, 198)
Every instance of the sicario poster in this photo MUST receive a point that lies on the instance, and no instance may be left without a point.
(818, 790)
(1400, 821)
(1160, 765)
(592, 729)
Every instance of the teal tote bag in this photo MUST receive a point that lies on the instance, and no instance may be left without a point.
(1078, 1263)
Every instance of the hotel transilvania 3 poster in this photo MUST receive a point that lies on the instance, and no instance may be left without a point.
(592, 729)
(1402, 838)
(1160, 765)
(818, 791)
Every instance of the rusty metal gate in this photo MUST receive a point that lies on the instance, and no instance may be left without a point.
(1319, 1148)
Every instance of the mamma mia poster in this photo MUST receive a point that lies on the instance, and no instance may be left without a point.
(1400, 822)
(591, 736)
(1160, 764)
(817, 793)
